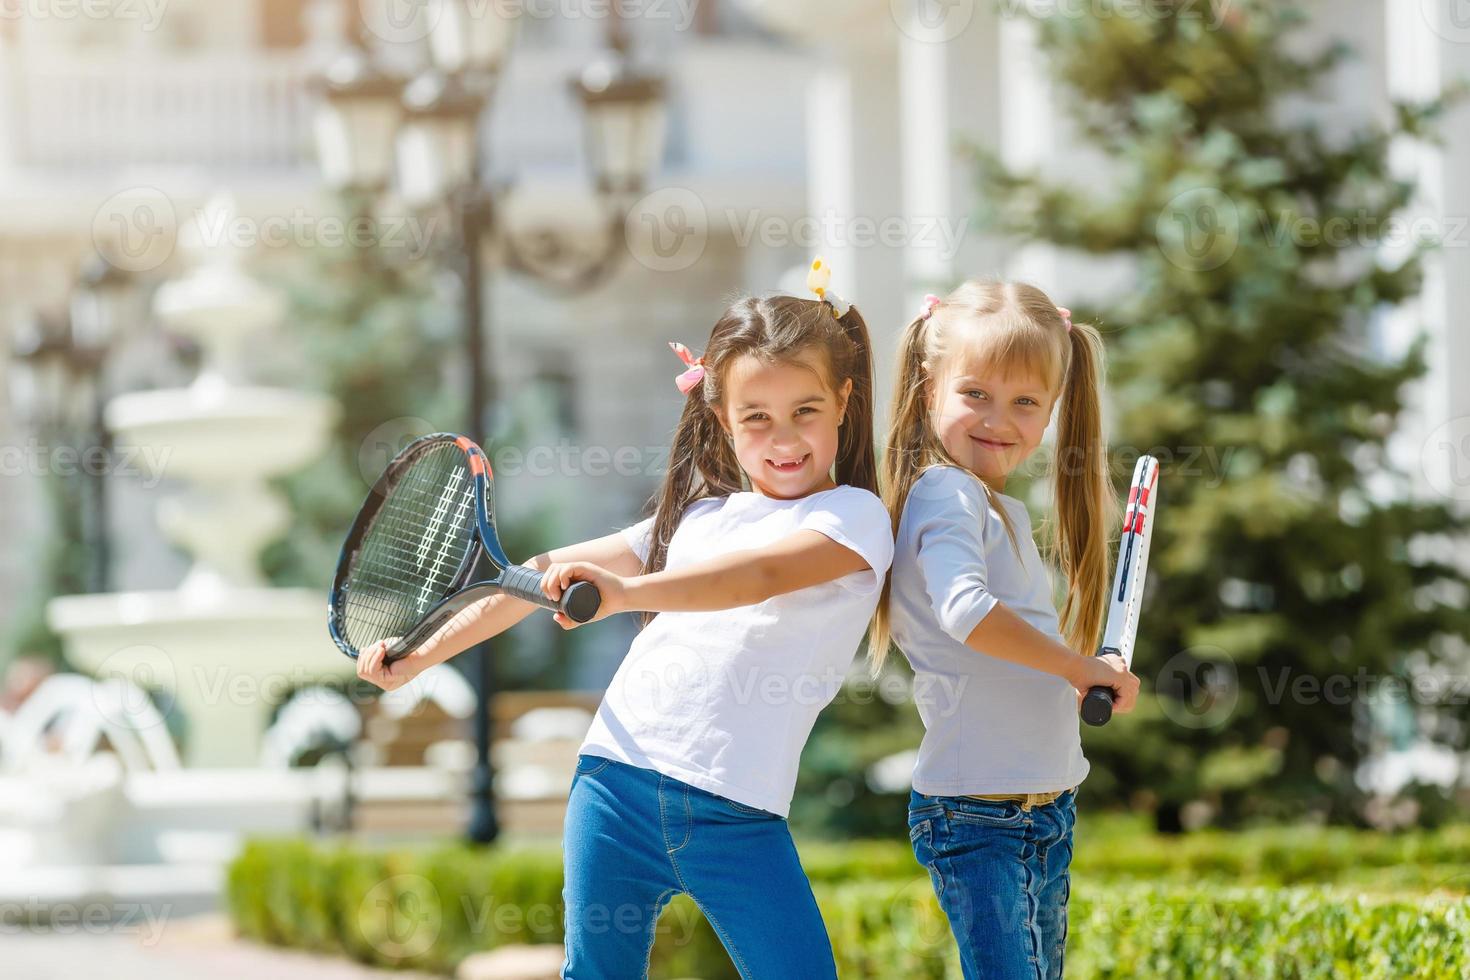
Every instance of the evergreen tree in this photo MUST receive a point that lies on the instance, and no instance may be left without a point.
(855, 768)
(1285, 600)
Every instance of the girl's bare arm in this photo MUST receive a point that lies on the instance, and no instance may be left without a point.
(493, 616)
(740, 578)
(1006, 636)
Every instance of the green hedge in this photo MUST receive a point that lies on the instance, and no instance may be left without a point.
(1277, 855)
(429, 909)
(1414, 861)
(1141, 930)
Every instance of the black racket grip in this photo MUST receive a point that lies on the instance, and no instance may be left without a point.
(1097, 706)
(580, 602)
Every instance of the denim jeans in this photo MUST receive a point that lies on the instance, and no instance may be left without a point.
(1001, 874)
(636, 838)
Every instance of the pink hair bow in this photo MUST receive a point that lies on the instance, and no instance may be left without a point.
(931, 302)
(1066, 316)
(694, 375)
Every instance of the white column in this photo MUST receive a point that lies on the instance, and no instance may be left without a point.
(1357, 91)
(950, 84)
(1428, 48)
(854, 192)
(1033, 131)
(10, 83)
(1453, 314)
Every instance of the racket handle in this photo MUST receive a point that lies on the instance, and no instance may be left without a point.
(579, 602)
(1097, 706)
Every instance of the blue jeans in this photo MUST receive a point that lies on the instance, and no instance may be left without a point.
(636, 838)
(1001, 874)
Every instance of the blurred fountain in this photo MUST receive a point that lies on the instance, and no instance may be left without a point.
(224, 645)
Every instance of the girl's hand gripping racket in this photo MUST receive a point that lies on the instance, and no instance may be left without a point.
(413, 557)
(1127, 594)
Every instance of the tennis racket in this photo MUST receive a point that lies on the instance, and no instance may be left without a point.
(1128, 579)
(424, 547)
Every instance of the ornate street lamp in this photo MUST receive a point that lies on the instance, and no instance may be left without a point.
(356, 119)
(438, 143)
(472, 39)
(623, 121)
(438, 160)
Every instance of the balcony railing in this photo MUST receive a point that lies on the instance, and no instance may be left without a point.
(732, 111)
(67, 113)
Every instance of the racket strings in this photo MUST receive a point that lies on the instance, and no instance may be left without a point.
(411, 554)
(402, 576)
(407, 549)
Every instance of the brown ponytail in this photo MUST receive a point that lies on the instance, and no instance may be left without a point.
(856, 465)
(775, 329)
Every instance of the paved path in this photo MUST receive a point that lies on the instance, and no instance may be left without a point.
(199, 948)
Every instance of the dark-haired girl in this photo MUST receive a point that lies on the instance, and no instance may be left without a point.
(757, 575)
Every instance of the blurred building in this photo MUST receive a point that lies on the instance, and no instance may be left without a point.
(96, 114)
(796, 126)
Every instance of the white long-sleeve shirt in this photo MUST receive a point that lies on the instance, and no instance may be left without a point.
(991, 726)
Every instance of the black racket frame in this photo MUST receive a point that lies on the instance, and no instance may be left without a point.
(579, 602)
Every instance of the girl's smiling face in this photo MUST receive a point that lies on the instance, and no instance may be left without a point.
(783, 419)
(987, 421)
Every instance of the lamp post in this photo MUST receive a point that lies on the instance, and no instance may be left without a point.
(38, 379)
(439, 160)
(106, 302)
(58, 364)
(43, 400)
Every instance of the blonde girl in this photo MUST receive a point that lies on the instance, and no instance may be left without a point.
(970, 604)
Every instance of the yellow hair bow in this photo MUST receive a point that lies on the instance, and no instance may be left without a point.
(817, 278)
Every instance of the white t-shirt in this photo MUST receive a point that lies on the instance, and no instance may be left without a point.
(725, 700)
(990, 726)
